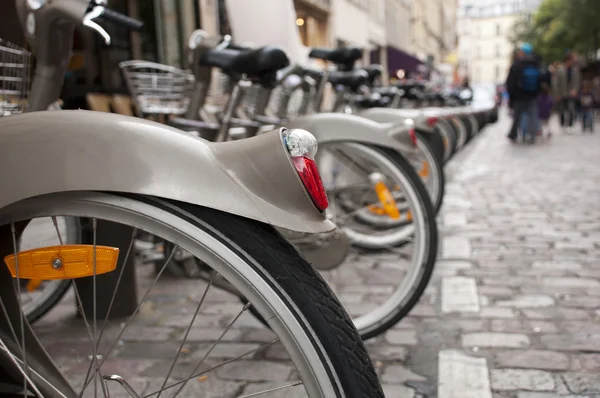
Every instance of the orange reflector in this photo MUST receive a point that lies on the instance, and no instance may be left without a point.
(33, 284)
(445, 142)
(63, 262)
(424, 172)
(376, 209)
(387, 200)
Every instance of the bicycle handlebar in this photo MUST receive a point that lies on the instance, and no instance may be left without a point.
(123, 20)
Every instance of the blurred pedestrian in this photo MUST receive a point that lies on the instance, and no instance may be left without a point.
(566, 85)
(523, 86)
(545, 105)
(586, 101)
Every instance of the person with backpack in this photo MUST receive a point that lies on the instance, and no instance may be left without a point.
(523, 86)
(566, 86)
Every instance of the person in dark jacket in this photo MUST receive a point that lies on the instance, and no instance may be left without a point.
(523, 86)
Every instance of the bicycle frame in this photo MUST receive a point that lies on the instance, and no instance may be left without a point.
(80, 150)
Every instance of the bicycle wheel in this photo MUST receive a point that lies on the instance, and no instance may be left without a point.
(37, 296)
(307, 321)
(393, 255)
(430, 168)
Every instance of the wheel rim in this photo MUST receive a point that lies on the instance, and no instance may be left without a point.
(228, 264)
(415, 234)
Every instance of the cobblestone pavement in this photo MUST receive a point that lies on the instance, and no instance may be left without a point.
(513, 309)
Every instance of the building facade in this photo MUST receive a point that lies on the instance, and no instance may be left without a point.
(484, 30)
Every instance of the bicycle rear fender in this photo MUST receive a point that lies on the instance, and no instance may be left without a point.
(50, 152)
(337, 127)
(396, 116)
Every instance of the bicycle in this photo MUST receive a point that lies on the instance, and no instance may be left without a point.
(346, 142)
(99, 179)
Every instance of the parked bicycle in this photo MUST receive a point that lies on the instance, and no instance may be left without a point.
(106, 170)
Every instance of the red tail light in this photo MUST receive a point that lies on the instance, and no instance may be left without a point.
(413, 136)
(410, 124)
(432, 121)
(302, 147)
(309, 174)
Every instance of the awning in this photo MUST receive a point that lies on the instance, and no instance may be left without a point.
(398, 59)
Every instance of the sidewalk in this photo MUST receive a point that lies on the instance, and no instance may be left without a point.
(514, 307)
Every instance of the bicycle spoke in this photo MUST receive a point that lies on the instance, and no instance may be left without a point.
(213, 346)
(21, 313)
(188, 331)
(270, 343)
(57, 230)
(114, 295)
(256, 394)
(112, 347)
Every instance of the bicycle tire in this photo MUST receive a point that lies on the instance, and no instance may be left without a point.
(305, 294)
(437, 198)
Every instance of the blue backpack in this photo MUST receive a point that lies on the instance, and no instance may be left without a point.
(530, 79)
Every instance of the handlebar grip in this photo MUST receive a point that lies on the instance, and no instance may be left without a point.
(124, 20)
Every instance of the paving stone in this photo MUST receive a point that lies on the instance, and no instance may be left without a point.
(571, 282)
(554, 265)
(456, 247)
(521, 379)
(455, 219)
(297, 391)
(398, 374)
(582, 383)
(387, 353)
(255, 371)
(496, 312)
(401, 337)
(532, 359)
(395, 390)
(528, 301)
(589, 342)
(495, 339)
(586, 362)
(461, 375)
(459, 294)
(556, 313)
(499, 291)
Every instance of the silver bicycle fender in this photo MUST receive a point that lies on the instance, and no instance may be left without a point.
(396, 116)
(336, 127)
(51, 152)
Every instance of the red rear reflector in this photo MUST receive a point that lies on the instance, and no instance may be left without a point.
(413, 136)
(432, 121)
(309, 174)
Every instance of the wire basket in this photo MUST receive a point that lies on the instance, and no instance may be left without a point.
(157, 88)
(14, 78)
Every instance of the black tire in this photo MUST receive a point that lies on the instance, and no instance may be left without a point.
(438, 165)
(308, 292)
(426, 267)
(296, 283)
(435, 141)
(52, 300)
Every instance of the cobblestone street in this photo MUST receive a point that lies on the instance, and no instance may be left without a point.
(513, 309)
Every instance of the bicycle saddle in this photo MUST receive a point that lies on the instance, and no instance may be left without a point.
(262, 61)
(389, 91)
(345, 56)
(373, 101)
(374, 71)
(352, 79)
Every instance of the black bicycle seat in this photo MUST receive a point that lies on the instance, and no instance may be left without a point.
(253, 63)
(345, 56)
(387, 91)
(374, 71)
(352, 79)
(373, 101)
